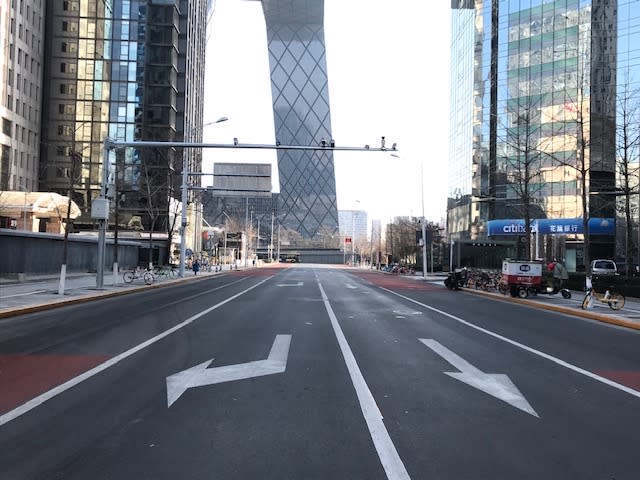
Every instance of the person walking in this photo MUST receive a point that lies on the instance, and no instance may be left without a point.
(196, 267)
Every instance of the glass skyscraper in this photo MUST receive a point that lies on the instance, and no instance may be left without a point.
(535, 85)
(130, 70)
(299, 86)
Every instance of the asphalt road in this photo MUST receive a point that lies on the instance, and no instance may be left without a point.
(315, 373)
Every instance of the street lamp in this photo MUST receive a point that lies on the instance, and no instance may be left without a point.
(184, 195)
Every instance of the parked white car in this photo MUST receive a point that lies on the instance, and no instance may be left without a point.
(603, 267)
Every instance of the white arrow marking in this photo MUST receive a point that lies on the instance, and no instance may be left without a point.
(299, 284)
(200, 375)
(495, 384)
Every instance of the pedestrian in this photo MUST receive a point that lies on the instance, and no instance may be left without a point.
(196, 267)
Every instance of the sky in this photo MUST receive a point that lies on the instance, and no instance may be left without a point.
(388, 67)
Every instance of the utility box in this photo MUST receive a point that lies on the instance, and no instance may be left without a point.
(100, 209)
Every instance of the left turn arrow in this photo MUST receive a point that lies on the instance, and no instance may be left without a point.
(200, 375)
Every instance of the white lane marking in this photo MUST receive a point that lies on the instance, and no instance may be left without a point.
(48, 395)
(200, 375)
(391, 461)
(497, 385)
(23, 294)
(350, 287)
(298, 284)
(526, 348)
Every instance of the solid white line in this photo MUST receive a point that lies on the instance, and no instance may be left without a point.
(391, 461)
(522, 346)
(23, 294)
(40, 399)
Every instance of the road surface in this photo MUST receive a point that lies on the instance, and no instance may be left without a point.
(315, 372)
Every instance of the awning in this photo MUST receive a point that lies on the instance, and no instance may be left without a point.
(38, 204)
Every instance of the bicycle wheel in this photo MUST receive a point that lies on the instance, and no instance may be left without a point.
(128, 277)
(586, 301)
(148, 278)
(616, 301)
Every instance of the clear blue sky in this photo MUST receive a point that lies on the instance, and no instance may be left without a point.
(388, 65)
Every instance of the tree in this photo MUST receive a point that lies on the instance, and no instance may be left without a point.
(154, 194)
(628, 160)
(523, 163)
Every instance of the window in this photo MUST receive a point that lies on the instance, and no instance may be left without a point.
(65, 108)
(7, 126)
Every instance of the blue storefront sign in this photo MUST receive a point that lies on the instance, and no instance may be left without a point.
(547, 226)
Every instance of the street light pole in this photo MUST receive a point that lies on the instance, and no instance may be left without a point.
(100, 210)
(185, 195)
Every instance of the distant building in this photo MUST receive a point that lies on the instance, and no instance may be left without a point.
(353, 223)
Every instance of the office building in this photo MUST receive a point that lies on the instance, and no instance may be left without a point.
(21, 68)
(535, 90)
(130, 70)
(354, 223)
(295, 35)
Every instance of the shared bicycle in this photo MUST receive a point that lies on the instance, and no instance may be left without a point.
(135, 273)
(610, 297)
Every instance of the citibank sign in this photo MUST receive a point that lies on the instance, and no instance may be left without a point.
(547, 226)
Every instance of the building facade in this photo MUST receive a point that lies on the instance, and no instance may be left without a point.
(129, 70)
(21, 69)
(536, 86)
(299, 86)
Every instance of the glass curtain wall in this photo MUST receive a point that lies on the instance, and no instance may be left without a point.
(299, 86)
(465, 118)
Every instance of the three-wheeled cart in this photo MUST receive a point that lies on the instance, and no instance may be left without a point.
(521, 278)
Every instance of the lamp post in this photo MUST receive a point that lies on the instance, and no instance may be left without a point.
(184, 195)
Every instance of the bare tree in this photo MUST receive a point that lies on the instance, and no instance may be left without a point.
(74, 176)
(628, 160)
(154, 194)
(523, 163)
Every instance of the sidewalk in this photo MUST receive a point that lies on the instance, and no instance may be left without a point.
(628, 316)
(38, 293)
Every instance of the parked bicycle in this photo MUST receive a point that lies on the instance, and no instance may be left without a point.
(614, 299)
(166, 272)
(135, 273)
